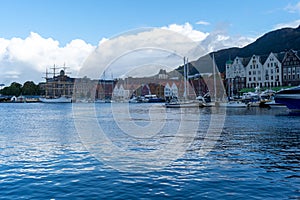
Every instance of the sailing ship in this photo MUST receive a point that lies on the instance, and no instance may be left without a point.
(58, 88)
(174, 102)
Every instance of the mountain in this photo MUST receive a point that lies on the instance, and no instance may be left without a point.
(275, 41)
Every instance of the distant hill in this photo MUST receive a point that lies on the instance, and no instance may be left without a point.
(275, 41)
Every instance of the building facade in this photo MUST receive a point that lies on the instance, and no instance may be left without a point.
(264, 71)
(272, 71)
(291, 68)
(236, 75)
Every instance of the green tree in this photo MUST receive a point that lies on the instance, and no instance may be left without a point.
(30, 88)
(15, 89)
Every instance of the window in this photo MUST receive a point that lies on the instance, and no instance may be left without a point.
(271, 71)
(249, 79)
(271, 77)
(250, 73)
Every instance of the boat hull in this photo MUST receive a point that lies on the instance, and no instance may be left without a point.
(182, 105)
(233, 105)
(291, 101)
(56, 100)
(289, 97)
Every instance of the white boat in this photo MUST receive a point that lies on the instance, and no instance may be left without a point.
(273, 104)
(233, 104)
(191, 104)
(61, 99)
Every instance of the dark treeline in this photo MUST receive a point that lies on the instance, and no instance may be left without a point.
(17, 89)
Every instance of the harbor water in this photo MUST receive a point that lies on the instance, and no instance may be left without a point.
(256, 155)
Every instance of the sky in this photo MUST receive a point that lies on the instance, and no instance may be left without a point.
(36, 34)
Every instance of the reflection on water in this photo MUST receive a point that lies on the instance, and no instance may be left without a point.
(256, 156)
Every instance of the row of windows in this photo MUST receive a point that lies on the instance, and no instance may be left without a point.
(291, 70)
(266, 72)
(266, 78)
(291, 58)
(287, 63)
(291, 77)
(272, 84)
(272, 64)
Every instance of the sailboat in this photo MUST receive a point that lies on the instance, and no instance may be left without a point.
(218, 102)
(174, 102)
(51, 85)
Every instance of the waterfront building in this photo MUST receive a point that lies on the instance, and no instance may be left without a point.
(291, 68)
(254, 69)
(273, 70)
(264, 71)
(236, 75)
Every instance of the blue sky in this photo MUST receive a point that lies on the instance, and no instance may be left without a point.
(35, 34)
(91, 20)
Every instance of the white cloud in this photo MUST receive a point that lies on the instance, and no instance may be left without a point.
(188, 31)
(201, 22)
(292, 24)
(20, 58)
(27, 59)
(123, 54)
(293, 8)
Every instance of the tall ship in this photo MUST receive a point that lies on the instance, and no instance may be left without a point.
(58, 89)
(289, 97)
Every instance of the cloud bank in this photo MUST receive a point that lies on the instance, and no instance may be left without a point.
(292, 24)
(27, 59)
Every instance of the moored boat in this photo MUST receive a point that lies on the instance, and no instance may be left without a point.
(273, 104)
(289, 97)
(233, 104)
(61, 99)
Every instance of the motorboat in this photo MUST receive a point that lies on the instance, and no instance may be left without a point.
(289, 97)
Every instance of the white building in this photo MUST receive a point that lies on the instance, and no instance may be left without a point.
(170, 91)
(235, 75)
(272, 71)
(167, 90)
(119, 93)
(174, 90)
(254, 70)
